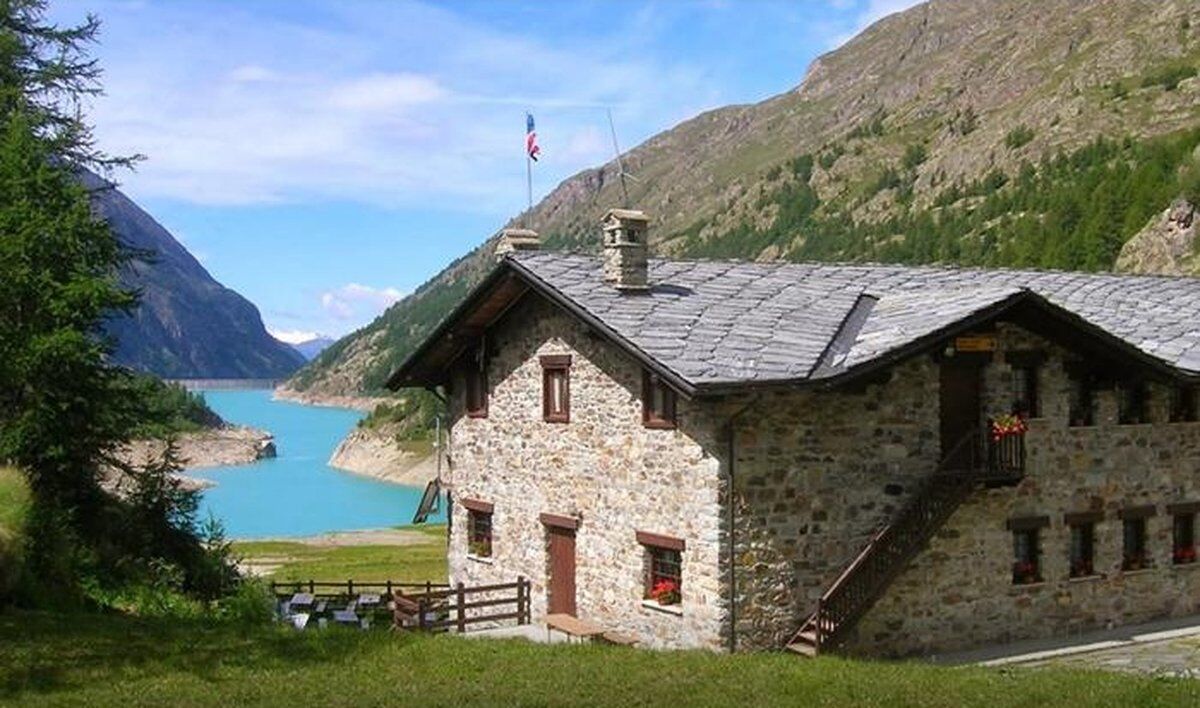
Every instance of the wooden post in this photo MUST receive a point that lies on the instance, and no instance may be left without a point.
(350, 588)
(522, 604)
(819, 622)
(312, 587)
(389, 589)
(462, 612)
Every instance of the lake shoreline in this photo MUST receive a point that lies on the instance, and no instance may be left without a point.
(297, 493)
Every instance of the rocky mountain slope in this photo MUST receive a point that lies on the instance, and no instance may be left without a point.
(1040, 133)
(187, 325)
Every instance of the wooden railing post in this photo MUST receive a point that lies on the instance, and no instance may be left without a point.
(350, 588)
(312, 586)
(462, 611)
(520, 599)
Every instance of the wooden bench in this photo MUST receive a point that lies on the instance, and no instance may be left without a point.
(572, 627)
(619, 638)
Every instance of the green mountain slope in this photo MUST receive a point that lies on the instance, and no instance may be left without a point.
(1002, 132)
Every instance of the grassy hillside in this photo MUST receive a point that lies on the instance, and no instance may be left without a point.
(1000, 132)
(111, 660)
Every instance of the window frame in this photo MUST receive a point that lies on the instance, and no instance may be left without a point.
(668, 419)
(1132, 408)
(1136, 556)
(1182, 405)
(475, 381)
(1027, 557)
(1183, 532)
(1081, 389)
(1082, 539)
(480, 528)
(1025, 367)
(553, 367)
(663, 561)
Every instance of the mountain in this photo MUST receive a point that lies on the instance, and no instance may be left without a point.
(187, 325)
(1033, 133)
(310, 348)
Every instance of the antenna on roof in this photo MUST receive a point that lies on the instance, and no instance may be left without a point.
(620, 166)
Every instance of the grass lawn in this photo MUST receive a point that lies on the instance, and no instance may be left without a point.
(112, 660)
(417, 562)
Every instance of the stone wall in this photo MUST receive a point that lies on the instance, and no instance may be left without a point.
(959, 592)
(603, 467)
(816, 473)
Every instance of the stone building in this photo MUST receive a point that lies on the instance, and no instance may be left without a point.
(881, 460)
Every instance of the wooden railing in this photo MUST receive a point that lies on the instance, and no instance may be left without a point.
(455, 608)
(974, 459)
(428, 606)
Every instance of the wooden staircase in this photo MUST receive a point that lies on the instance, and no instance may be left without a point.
(892, 547)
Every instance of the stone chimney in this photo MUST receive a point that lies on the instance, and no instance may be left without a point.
(510, 239)
(625, 248)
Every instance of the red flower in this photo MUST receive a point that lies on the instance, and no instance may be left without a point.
(665, 592)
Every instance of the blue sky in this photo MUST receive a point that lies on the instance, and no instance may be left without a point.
(324, 159)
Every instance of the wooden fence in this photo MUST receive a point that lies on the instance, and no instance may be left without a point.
(455, 608)
(428, 606)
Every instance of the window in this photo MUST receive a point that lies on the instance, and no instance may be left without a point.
(664, 568)
(1183, 404)
(658, 402)
(1025, 553)
(1080, 400)
(1134, 556)
(476, 392)
(1183, 534)
(1131, 403)
(556, 388)
(479, 528)
(1083, 545)
(1024, 382)
(1026, 567)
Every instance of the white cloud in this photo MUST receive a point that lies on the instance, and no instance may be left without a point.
(253, 73)
(393, 104)
(387, 92)
(292, 336)
(355, 302)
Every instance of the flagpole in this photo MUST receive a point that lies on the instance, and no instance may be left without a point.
(529, 179)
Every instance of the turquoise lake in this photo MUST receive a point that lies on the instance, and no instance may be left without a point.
(297, 493)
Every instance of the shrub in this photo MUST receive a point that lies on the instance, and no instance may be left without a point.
(914, 156)
(1018, 137)
(1169, 77)
(1189, 182)
(251, 604)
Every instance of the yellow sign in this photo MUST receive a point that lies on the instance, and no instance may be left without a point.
(982, 343)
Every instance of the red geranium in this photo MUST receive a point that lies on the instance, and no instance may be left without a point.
(1186, 554)
(665, 592)
(1010, 424)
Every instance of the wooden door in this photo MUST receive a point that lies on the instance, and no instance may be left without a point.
(562, 570)
(960, 401)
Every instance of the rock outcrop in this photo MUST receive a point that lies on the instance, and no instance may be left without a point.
(230, 445)
(376, 453)
(1166, 246)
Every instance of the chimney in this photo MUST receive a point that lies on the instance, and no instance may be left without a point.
(625, 248)
(511, 239)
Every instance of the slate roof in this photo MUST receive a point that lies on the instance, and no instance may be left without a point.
(721, 323)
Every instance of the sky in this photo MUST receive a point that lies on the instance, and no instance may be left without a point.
(326, 158)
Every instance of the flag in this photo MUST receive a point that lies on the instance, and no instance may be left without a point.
(531, 146)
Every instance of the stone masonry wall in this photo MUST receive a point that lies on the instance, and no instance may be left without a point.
(603, 467)
(816, 473)
(959, 593)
